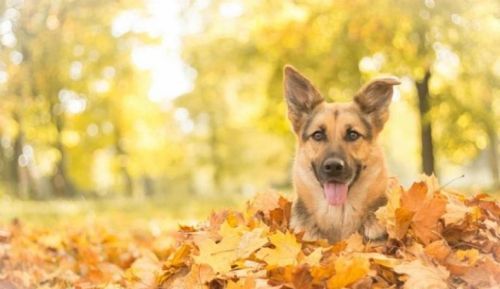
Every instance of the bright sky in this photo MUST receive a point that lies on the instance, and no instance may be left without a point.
(171, 76)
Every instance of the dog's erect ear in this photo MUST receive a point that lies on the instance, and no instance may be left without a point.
(301, 96)
(374, 98)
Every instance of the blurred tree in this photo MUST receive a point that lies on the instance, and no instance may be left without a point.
(61, 61)
(339, 44)
(77, 114)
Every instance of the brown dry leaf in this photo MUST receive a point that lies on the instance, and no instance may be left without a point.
(439, 250)
(285, 252)
(425, 221)
(423, 276)
(197, 278)
(302, 278)
(348, 269)
(265, 202)
(144, 273)
(403, 221)
(247, 283)
(456, 209)
(412, 200)
(254, 249)
(386, 214)
(485, 275)
(426, 209)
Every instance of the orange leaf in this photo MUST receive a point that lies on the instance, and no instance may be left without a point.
(425, 221)
(348, 269)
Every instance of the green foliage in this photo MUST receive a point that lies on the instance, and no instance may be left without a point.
(75, 116)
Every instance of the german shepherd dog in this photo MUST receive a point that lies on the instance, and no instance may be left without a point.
(339, 172)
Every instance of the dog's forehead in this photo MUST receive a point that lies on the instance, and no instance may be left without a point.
(335, 109)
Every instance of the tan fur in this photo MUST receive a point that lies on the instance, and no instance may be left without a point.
(314, 215)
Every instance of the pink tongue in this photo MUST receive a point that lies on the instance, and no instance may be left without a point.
(335, 193)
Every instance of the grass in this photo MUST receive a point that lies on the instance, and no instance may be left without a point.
(166, 213)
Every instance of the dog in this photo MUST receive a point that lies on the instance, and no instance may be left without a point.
(339, 171)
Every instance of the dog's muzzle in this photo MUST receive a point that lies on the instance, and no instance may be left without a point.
(334, 169)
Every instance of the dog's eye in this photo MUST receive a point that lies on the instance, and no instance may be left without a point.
(318, 136)
(352, 135)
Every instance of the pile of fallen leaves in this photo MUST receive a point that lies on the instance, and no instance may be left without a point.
(437, 239)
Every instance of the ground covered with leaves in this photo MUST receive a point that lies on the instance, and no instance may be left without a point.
(437, 239)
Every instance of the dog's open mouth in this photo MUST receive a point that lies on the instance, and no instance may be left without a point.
(335, 193)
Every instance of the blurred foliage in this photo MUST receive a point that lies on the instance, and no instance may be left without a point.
(137, 98)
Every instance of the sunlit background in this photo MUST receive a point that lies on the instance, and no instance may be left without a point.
(182, 100)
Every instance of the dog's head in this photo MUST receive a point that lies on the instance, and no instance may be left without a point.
(336, 140)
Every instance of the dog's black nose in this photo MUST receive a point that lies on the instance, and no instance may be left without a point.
(333, 166)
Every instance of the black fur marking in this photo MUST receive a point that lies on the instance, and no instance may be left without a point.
(381, 201)
(314, 169)
(356, 174)
(301, 210)
(304, 217)
(367, 125)
(307, 125)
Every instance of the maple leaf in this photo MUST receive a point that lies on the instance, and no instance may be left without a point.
(426, 209)
(251, 242)
(437, 240)
(456, 209)
(348, 269)
(423, 276)
(236, 243)
(387, 214)
(285, 252)
(144, 272)
(197, 278)
(425, 221)
(403, 221)
(247, 283)
(265, 202)
(220, 256)
(485, 275)
(314, 258)
(382, 259)
(439, 250)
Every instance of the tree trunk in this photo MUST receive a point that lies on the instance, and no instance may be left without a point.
(20, 179)
(427, 153)
(215, 155)
(62, 185)
(493, 151)
(122, 154)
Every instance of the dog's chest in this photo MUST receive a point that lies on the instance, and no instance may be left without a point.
(337, 222)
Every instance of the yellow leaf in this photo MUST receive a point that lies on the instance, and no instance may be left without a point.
(246, 283)
(387, 214)
(348, 269)
(471, 256)
(220, 256)
(314, 258)
(251, 242)
(285, 252)
(382, 259)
